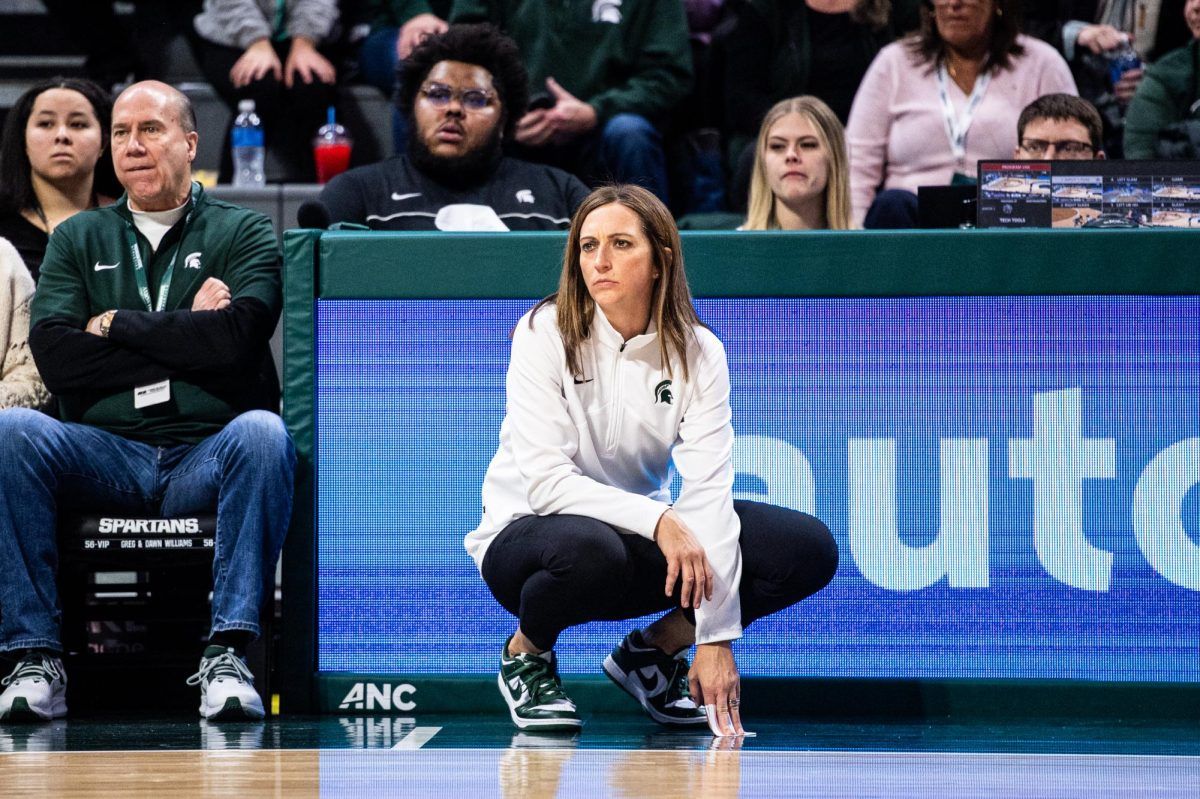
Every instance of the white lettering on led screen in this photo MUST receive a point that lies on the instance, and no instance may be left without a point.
(1057, 459)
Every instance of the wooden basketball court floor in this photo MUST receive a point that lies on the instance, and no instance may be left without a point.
(614, 756)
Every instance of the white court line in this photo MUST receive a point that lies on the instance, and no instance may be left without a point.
(417, 738)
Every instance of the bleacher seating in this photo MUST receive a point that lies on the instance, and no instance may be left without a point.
(32, 49)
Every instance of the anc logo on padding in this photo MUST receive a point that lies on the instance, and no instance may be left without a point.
(662, 393)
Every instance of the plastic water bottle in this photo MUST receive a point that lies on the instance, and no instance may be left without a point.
(1121, 60)
(248, 149)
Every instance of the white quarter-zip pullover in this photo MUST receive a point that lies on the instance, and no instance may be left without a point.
(601, 445)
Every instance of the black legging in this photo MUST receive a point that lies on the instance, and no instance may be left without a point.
(553, 572)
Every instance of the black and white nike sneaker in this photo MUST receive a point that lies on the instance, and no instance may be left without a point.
(658, 681)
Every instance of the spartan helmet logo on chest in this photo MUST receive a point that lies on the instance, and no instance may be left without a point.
(607, 11)
(662, 393)
(192, 261)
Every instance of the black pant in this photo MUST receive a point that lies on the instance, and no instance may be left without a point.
(290, 117)
(553, 572)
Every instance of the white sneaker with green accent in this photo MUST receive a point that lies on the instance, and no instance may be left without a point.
(36, 689)
(226, 687)
(533, 692)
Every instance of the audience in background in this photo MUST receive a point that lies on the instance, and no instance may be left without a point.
(20, 385)
(1060, 126)
(53, 162)
(1102, 26)
(801, 178)
(108, 38)
(784, 48)
(605, 77)
(932, 105)
(608, 79)
(276, 53)
(462, 92)
(1095, 36)
(1164, 117)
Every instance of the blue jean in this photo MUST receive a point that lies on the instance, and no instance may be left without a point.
(245, 472)
(628, 149)
(893, 209)
(377, 63)
(631, 150)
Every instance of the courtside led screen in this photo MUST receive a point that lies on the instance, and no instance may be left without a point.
(1014, 483)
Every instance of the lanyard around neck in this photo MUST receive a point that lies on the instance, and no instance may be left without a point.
(957, 126)
(139, 270)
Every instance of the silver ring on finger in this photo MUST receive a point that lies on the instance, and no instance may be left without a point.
(734, 702)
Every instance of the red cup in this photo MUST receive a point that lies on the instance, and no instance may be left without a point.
(332, 159)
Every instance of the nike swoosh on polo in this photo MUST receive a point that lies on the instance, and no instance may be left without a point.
(99, 267)
(399, 197)
(579, 382)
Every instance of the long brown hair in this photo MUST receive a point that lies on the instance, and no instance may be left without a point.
(761, 212)
(671, 308)
(928, 46)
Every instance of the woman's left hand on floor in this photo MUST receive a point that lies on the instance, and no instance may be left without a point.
(716, 685)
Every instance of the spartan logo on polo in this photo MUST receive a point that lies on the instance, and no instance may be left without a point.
(192, 261)
(525, 196)
(662, 393)
(607, 11)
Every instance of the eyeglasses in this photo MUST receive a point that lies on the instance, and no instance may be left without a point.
(1066, 147)
(439, 96)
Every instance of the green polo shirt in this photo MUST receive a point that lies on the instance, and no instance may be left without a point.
(90, 268)
(631, 57)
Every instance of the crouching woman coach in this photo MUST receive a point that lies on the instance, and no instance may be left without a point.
(611, 380)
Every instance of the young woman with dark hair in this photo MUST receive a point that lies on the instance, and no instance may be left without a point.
(53, 162)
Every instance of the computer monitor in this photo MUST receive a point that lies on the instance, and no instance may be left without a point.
(945, 206)
(1103, 193)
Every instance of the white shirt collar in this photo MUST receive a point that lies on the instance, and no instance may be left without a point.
(606, 334)
(155, 224)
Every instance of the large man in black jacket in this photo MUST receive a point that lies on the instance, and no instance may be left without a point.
(463, 91)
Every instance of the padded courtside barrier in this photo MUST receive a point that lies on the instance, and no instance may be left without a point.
(369, 266)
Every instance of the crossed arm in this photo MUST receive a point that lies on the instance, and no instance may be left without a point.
(222, 330)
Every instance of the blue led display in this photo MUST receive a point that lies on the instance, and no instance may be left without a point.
(1012, 481)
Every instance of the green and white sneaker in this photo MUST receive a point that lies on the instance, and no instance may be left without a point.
(226, 687)
(35, 690)
(533, 692)
(658, 681)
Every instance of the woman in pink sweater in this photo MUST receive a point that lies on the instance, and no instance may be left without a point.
(933, 104)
